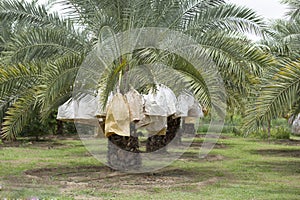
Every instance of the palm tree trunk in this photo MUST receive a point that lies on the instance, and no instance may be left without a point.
(269, 130)
(173, 131)
(188, 128)
(59, 127)
(157, 142)
(123, 152)
(2, 139)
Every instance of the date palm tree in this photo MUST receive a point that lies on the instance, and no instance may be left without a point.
(40, 63)
(279, 91)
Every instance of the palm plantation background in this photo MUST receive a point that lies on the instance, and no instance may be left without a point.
(41, 52)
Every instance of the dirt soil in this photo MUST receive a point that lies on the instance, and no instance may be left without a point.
(103, 178)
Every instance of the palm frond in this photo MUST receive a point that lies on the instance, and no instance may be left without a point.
(286, 37)
(277, 97)
(228, 17)
(15, 79)
(190, 9)
(238, 60)
(18, 115)
(57, 82)
(41, 43)
(94, 14)
(294, 8)
(29, 13)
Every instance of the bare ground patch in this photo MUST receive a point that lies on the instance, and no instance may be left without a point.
(41, 144)
(289, 142)
(282, 152)
(71, 179)
(216, 146)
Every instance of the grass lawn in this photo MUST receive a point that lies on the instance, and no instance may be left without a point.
(237, 168)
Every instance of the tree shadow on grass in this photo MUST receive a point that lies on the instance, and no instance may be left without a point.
(282, 167)
(287, 192)
(194, 156)
(278, 152)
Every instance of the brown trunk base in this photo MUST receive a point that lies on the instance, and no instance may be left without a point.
(123, 152)
(59, 127)
(158, 142)
(173, 131)
(189, 129)
(155, 143)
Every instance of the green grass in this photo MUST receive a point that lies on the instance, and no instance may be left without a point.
(247, 169)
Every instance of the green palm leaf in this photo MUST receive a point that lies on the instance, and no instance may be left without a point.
(18, 115)
(277, 96)
(294, 8)
(17, 78)
(29, 13)
(41, 43)
(57, 82)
